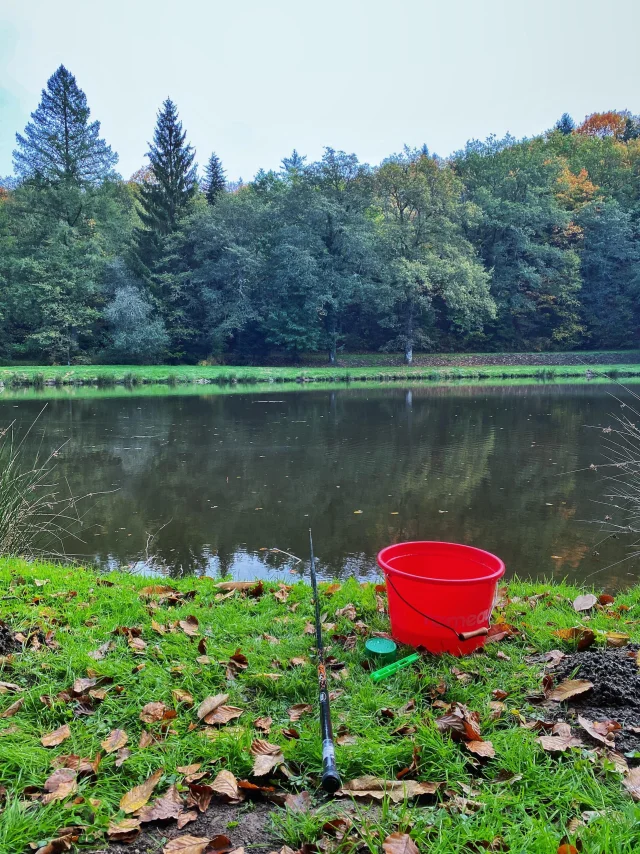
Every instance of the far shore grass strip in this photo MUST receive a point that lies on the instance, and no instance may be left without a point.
(105, 376)
(174, 650)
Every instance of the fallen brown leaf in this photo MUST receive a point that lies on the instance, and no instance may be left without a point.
(186, 818)
(617, 639)
(263, 724)
(53, 739)
(399, 843)
(124, 831)
(181, 696)
(187, 845)
(266, 757)
(209, 704)
(374, 788)
(60, 785)
(632, 783)
(137, 797)
(585, 602)
(584, 637)
(481, 748)
(298, 710)
(166, 806)
(300, 802)
(601, 731)
(226, 785)
(153, 712)
(190, 626)
(13, 708)
(116, 739)
(570, 688)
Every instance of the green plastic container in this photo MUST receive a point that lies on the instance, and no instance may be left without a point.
(381, 651)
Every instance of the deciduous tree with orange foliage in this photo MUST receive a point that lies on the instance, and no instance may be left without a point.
(612, 123)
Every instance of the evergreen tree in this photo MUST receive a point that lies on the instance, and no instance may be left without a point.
(565, 124)
(214, 179)
(631, 129)
(60, 144)
(166, 193)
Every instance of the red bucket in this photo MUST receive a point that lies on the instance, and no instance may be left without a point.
(439, 592)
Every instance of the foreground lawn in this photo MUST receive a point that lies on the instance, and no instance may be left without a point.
(134, 647)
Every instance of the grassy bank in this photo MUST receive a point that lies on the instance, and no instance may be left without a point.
(135, 375)
(134, 648)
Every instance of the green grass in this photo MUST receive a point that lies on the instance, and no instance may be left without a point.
(133, 376)
(531, 815)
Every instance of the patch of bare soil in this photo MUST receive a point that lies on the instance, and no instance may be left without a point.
(616, 690)
(8, 643)
(251, 830)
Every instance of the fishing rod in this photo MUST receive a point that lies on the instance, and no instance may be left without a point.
(330, 777)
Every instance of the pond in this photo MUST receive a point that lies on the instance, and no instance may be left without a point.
(210, 483)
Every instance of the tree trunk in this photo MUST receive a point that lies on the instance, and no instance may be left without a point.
(408, 346)
(332, 353)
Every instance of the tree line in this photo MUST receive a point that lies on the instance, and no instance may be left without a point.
(506, 245)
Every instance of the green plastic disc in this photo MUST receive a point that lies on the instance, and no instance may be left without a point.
(381, 650)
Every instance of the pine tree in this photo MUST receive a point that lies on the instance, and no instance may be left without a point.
(214, 179)
(166, 193)
(60, 144)
(565, 124)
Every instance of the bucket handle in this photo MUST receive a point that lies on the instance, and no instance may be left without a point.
(462, 636)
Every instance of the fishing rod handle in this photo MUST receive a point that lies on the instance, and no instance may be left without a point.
(330, 778)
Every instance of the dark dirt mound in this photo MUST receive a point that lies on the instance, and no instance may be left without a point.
(8, 643)
(252, 829)
(616, 689)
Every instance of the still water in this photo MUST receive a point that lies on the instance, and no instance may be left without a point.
(209, 483)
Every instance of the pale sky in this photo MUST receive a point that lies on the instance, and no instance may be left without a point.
(254, 79)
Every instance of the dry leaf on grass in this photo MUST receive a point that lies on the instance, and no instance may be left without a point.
(585, 602)
(617, 639)
(558, 743)
(263, 724)
(124, 831)
(585, 637)
(570, 688)
(265, 757)
(374, 788)
(60, 785)
(162, 591)
(481, 748)
(209, 704)
(190, 626)
(166, 806)
(632, 783)
(123, 754)
(300, 802)
(53, 739)
(137, 797)
(116, 739)
(300, 709)
(349, 611)
(226, 785)
(13, 708)
(153, 712)
(181, 696)
(601, 731)
(399, 843)
(199, 796)
(187, 845)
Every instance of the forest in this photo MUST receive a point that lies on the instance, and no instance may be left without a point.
(506, 245)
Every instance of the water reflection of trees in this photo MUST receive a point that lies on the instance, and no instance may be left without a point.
(468, 464)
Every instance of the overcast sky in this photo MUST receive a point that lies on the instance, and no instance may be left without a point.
(254, 79)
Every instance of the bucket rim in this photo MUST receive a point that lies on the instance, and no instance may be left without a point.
(492, 575)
